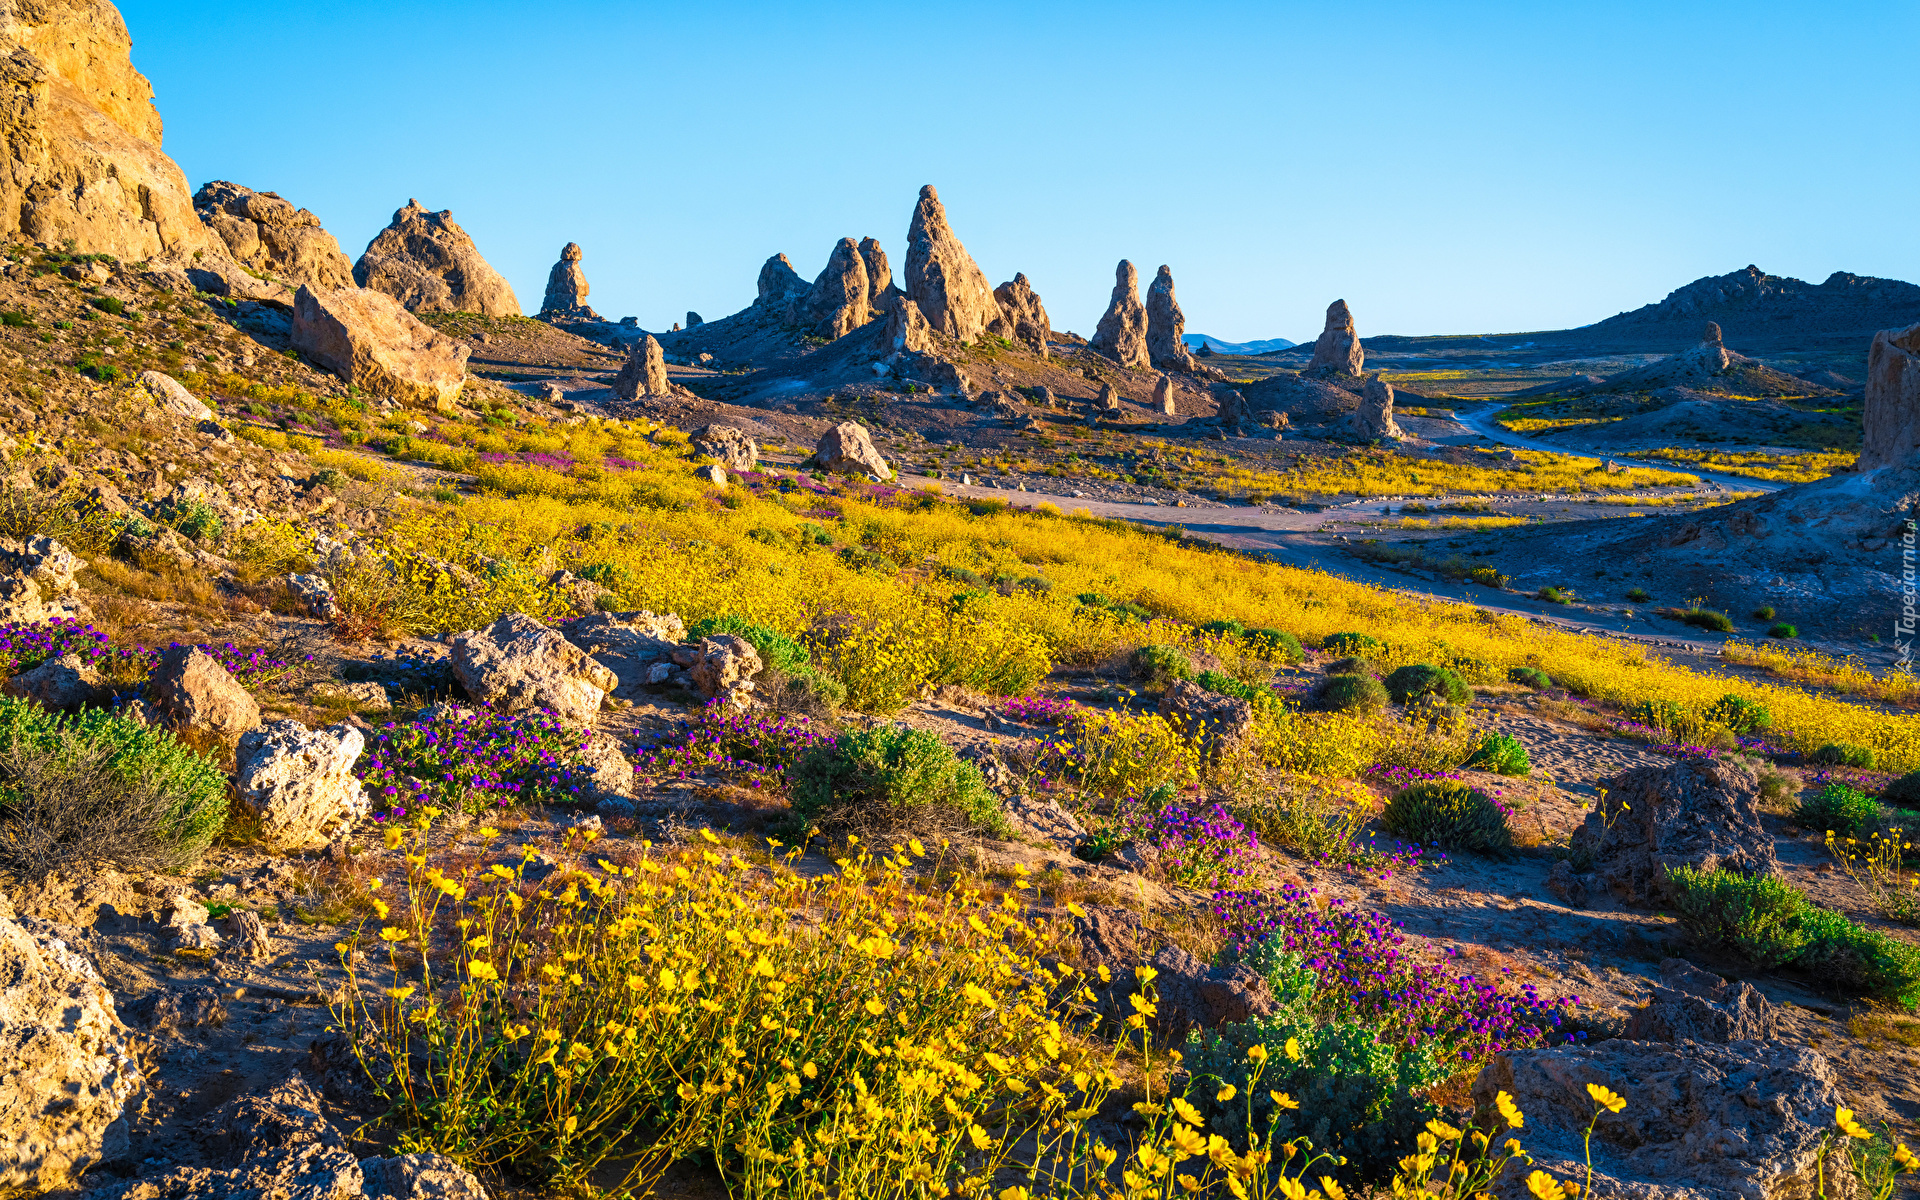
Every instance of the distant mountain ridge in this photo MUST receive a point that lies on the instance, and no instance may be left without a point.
(1751, 305)
(1221, 346)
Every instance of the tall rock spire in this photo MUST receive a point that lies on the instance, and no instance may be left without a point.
(1122, 334)
(1166, 325)
(950, 289)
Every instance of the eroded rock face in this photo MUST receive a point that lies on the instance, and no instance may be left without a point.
(268, 234)
(1893, 398)
(69, 1074)
(43, 560)
(644, 373)
(190, 691)
(298, 783)
(1215, 722)
(847, 449)
(172, 395)
(1702, 1122)
(942, 278)
(1697, 813)
(731, 446)
(517, 663)
(429, 264)
(1692, 1005)
(1028, 317)
(839, 301)
(1166, 325)
(780, 286)
(907, 328)
(637, 647)
(1122, 333)
(1373, 420)
(721, 667)
(880, 289)
(60, 684)
(368, 339)
(566, 298)
(1337, 351)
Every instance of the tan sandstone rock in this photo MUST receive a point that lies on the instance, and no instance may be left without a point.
(1021, 306)
(1373, 420)
(268, 234)
(169, 393)
(907, 329)
(779, 287)
(298, 783)
(839, 301)
(1893, 398)
(60, 684)
(729, 445)
(1122, 334)
(429, 264)
(190, 691)
(847, 449)
(1337, 350)
(644, 373)
(518, 663)
(1166, 325)
(1163, 396)
(880, 289)
(566, 297)
(368, 339)
(942, 278)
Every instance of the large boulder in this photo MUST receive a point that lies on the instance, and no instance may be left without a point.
(1210, 720)
(191, 692)
(1701, 813)
(1702, 1122)
(847, 449)
(268, 234)
(1692, 1005)
(1025, 314)
(171, 395)
(369, 340)
(1122, 333)
(517, 663)
(841, 297)
(942, 278)
(298, 783)
(729, 445)
(1337, 351)
(67, 1072)
(566, 298)
(1893, 398)
(60, 684)
(429, 264)
(638, 647)
(45, 561)
(779, 287)
(1166, 325)
(644, 373)
(1373, 420)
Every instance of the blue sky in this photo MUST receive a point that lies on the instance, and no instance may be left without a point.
(1443, 167)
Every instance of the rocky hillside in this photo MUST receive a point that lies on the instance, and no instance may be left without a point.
(1760, 310)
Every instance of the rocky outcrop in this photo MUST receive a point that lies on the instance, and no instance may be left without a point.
(1122, 333)
(170, 394)
(517, 663)
(61, 684)
(840, 300)
(880, 289)
(721, 667)
(1373, 420)
(191, 692)
(729, 445)
(429, 264)
(644, 373)
(1893, 398)
(847, 449)
(1166, 325)
(83, 140)
(1025, 315)
(1708, 367)
(638, 647)
(942, 278)
(694, 320)
(1700, 813)
(69, 1077)
(1337, 351)
(298, 783)
(267, 234)
(368, 339)
(907, 329)
(1208, 720)
(566, 298)
(1692, 1005)
(780, 287)
(1702, 1122)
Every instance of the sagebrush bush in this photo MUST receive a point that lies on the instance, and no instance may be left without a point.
(1409, 683)
(97, 786)
(1839, 809)
(1755, 917)
(1350, 693)
(887, 778)
(1157, 666)
(1447, 812)
(1532, 677)
(1502, 754)
(1840, 754)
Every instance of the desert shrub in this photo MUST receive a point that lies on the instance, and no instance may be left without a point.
(1853, 959)
(13, 319)
(68, 517)
(1349, 643)
(195, 519)
(963, 576)
(1904, 791)
(1755, 917)
(1158, 666)
(1840, 754)
(1350, 693)
(886, 777)
(1234, 628)
(1532, 677)
(776, 649)
(1706, 618)
(1033, 585)
(1784, 631)
(1839, 809)
(1739, 714)
(109, 304)
(1226, 685)
(1276, 643)
(1448, 813)
(1638, 595)
(1667, 717)
(1503, 755)
(100, 786)
(1411, 682)
(1121, 754)
(1349, 666)
(1554, 595)
(1763, 613)
(1489, 577)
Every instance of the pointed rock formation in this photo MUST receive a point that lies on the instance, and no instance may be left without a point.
(880, 287)
(1337, 351)
(566, 298)
(780, 289)
(1021, 306)
(429, 264)
(644, 373)
(267, 234)
(694, 320)
(369, 340)
(838, 302)
(907, 328)
(83, 140)
(1373, 420)
(1893, 399)
(1122, 335)
(1166, 325)
(1163, 396)
(942, 278)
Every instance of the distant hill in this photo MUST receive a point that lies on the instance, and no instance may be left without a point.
(1754, 309)
(1197, 340)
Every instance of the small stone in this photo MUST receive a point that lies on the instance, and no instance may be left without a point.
(61, 684)
(314, 594)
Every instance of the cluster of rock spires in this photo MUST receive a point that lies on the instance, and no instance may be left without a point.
(1139, 336)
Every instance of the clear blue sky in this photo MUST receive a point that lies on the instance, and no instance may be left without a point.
(1463, 167)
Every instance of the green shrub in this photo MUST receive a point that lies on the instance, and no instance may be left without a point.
(1503, 755)
(1554, 595)
(1853, 959)
(1638, 595)
(1160, 665)
(1410, 683)
(1349, 643)
(1489, 577)
(1784, 631)
(1089, 599)
(1033, 585)
(16, 320)
(1349, 666)
(1276, 643)
(109, 304)
(1448, 813)
(887, 777)
(1755, 917)
(1740, 714)
(1532, 677)
(1763, 613)
(1904, 791)
(1233, 627)
(1840, 754)
(1668, 717)
(1839, 809)
(962, 575)
(1706, 618)
(97, 786)
(776, 649)
(1227, 685)
(1350, 693)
